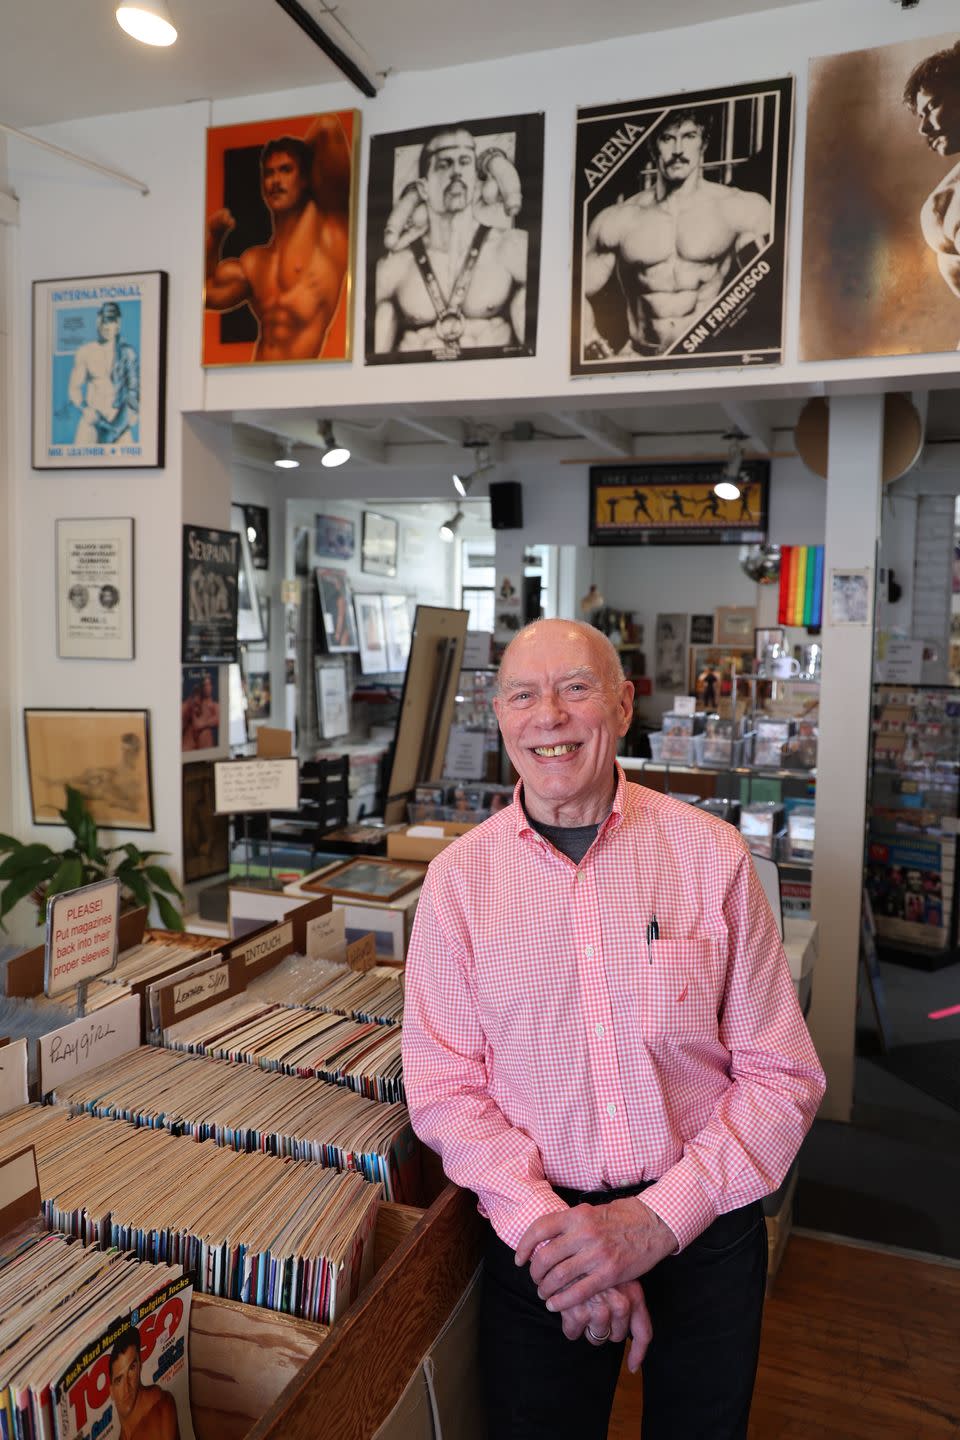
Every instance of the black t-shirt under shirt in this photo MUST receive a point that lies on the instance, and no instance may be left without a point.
(571, 840)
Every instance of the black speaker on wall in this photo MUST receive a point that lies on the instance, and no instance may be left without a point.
(506, 504)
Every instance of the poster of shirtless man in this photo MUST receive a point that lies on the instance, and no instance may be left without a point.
(280, 240)
(453, 241)
(680, 210)
(883, 163)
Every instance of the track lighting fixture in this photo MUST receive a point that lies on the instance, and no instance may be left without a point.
(728, 487)
(147, 21)
(287, 460)
(333, 453)
(449, 528)
(462, 483)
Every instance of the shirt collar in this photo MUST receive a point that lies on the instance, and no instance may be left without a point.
(612, 822)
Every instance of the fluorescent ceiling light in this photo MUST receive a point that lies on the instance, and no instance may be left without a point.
(147, 21)
(287, 461)
(449, 528)
(333, 454)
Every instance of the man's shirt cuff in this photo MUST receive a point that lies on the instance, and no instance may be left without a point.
(679, 1200)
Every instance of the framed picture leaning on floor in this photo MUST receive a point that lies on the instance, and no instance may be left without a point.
(99, 371)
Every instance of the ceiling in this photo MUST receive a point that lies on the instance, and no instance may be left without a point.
(250, 47)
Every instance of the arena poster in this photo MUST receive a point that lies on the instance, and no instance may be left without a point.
(675, 504)
(454, 216)
(211, 564)
(99, 372)
(881, 221)
(280, 202)
(95, 596)
(680, 228)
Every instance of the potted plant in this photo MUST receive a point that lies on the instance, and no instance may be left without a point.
(38, 871)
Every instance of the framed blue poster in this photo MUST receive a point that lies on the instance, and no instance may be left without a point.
(99, 371)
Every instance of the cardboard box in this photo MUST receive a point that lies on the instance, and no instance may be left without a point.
(401, 845)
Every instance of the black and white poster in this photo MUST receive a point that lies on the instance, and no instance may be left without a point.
(680, 216)
(453, 241)
(95, 589)
(211, 563)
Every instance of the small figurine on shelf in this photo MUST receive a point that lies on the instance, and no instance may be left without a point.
(708, 688)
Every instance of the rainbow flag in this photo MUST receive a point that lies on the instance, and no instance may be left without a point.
(801, 585)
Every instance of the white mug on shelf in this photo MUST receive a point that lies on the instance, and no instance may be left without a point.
(784, 667)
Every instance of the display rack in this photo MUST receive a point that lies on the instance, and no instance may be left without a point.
(913, 809)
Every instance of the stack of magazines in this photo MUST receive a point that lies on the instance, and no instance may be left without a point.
(284, 1234)
(376, 995)
(361, 1055)
(91, 1342)
(241, 1107)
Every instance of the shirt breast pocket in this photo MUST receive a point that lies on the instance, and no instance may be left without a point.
(680, 990)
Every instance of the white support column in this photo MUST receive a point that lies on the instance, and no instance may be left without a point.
(854, 468)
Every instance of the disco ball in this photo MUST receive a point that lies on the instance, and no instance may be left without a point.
(762, 564)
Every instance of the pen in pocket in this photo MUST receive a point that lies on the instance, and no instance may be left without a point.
(653, 933)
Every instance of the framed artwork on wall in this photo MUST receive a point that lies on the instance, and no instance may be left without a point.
(333, 709)
(676, 504)
(211, 577)
(396, 624)
(260, 175)
(336, 613)
(370, 633)
(257, 525)
(378, 554)
(333, 537)
(200, 708)
(99, 372)
(105, 754)
(95, 601)
(735, 625)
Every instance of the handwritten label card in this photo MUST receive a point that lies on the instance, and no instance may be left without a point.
(190, 994)
(19, 1189)
(242, 786)
(325, 933)
(82, 1045)
(81, 935)
(362, 953)
(13, 1076)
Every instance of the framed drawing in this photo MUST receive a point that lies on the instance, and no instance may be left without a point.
(95, 589)
(675, 504)
(105, 754)
(396, 625)
(339, 630)
(333, 537)
(99, 372)
(261, 177)
(333, 710)
(735, 625)
(370, 633)
(418, 315)
(211, 575)
(378, 553)
(205, 834)
(368, 878)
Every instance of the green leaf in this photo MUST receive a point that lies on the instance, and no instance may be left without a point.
(137, 886)
(23, 859)
(171, 917)
(7, 842)
(160, 879)
(18, 888)
(75, 813)
(69, 876)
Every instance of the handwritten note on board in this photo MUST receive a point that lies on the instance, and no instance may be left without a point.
(242, 786)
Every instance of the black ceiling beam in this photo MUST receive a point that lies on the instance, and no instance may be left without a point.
(319, 36)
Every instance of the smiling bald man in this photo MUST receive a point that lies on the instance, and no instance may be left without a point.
(601, 1039)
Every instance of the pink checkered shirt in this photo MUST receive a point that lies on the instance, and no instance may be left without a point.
(544, 1040)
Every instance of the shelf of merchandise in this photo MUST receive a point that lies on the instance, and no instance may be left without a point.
(913, 820)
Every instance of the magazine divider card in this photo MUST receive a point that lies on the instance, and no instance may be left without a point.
(82, 936)
(24, 977)
(19, 1189)
(84, 1044)
(362, 953)
(199, 988)
(325, 933)
(13, 1075)
(246, 786)
(267, 947)
(84, 1392)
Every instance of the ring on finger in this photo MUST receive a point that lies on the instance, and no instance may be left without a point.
(596, 1338)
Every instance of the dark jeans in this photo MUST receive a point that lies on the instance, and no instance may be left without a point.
(706, 1306)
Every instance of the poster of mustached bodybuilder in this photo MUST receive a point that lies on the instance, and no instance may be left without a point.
(680, 212)
(453, 241)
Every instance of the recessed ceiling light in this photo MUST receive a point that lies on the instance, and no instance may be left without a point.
(147, 21)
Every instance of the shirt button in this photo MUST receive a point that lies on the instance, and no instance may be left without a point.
(600, 1031)
(611, 1109)
(589, 950)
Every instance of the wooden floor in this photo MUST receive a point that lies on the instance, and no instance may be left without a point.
(857, 1345)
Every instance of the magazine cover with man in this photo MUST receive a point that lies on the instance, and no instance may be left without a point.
(679, 233)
